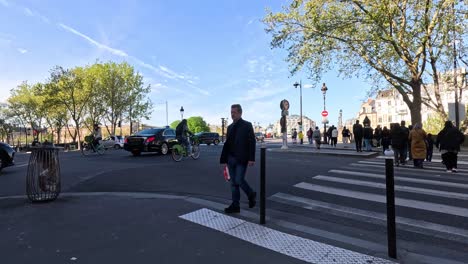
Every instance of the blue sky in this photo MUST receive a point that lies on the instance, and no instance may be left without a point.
(202, 55)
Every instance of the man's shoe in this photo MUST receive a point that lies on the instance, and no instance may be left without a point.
(232, 209)
(252, 201)
(454, 170)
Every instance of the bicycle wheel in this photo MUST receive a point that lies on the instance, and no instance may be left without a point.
(177, 152)
(86, 149)
(195, 152)
(100, 149)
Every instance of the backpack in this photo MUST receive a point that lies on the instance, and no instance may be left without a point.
(179, 129)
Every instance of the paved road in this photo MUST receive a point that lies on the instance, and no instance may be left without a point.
(331, 199)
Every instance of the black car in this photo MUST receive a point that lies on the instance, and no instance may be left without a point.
(208, 138)
(151, 140)
(7, 155)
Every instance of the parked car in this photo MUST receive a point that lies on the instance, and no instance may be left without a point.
(151, 140)
(7, 155)
(259, 136)
(208, 138)
(116, 142)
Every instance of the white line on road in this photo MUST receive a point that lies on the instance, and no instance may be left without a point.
(412, 225)
(297, 247)
(433, 160)
(382, 176)
(453, 195)
(426, 167)
(441, 208)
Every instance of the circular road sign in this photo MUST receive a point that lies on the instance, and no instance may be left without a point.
(324, 113)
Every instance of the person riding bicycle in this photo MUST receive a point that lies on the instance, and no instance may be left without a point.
(182, 133)
(97, 135)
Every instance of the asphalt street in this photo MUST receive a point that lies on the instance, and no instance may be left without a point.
(333, 199)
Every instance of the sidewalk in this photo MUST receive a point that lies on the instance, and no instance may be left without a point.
(340, 150)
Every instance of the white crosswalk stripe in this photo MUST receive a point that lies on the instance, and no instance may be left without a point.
(430, 201)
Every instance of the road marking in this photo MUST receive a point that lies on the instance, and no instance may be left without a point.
(382, 176)
(441, 208)
(410, 167)
(297, 247)
(412, 225)
(453, 195)
(433, 160)
(417, 172)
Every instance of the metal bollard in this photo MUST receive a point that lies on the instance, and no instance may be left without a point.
(262, 184)
(391, 223)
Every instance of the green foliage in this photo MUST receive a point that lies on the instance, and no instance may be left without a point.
(197, 124)
(397, 42)
(434, 124)
(175, 124)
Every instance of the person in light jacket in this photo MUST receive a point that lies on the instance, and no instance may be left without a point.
(317, 137)
(334, 137)
(417, 137)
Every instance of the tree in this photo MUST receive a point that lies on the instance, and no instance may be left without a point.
(175, 124)
(197, 124)
(69, 90)
(405, 43)
(434, 124)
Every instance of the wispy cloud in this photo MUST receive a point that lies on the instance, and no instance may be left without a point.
(4, 3)
(22, 51)
(31, 13)
(28, 12)
(252, 65)
(265, 90)
(117, 52)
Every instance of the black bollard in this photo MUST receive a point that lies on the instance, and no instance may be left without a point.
(391, 224)
(262, 184)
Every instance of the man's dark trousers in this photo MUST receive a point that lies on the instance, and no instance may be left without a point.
(237, 172)
(358, 143)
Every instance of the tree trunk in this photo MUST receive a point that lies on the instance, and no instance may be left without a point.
(415, 107)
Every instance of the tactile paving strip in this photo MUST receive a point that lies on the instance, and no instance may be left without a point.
(290, 245)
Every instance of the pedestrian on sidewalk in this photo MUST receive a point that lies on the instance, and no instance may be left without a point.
(346, 135)
(448, 141)
(386, 139)
(430, 147)
(358, 133)
(238, 153)
(329, 135)
(405, 143)
(294, 136)
(397, 139)
(309, 135)
(368, 133)
(334, 137)
(301, 137)
(417, 137)
(378, 136)
(317, 137)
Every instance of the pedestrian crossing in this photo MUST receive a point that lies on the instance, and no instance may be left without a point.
(431, 204)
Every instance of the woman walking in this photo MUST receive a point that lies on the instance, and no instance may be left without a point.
(417, 137)
(448, 141)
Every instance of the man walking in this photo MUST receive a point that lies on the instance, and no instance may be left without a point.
(238, 152)
(358, 132)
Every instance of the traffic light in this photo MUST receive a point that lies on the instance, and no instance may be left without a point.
(299, 123)
(120, 124)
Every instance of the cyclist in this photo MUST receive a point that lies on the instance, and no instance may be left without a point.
(182, 133)
(97, 135)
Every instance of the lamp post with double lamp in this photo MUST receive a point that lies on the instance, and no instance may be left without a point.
(324, 91)
(300, 101)
(181, 112)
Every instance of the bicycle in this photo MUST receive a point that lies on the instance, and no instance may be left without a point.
(179, 150)
(87, 147)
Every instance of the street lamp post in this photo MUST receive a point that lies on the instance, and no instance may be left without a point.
(324, 91)
(181, 112)
(300, 101)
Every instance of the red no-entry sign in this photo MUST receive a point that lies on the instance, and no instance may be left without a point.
(324, 113)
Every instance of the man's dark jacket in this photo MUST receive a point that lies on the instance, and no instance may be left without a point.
(240, 142)
(358, 131)
(450, 139)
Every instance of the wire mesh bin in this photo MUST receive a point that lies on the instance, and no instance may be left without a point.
(43, 178)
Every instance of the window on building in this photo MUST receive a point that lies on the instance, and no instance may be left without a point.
(389, 118)
(389, 102)
(380, 120)
(363, 109)
(378, 105)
